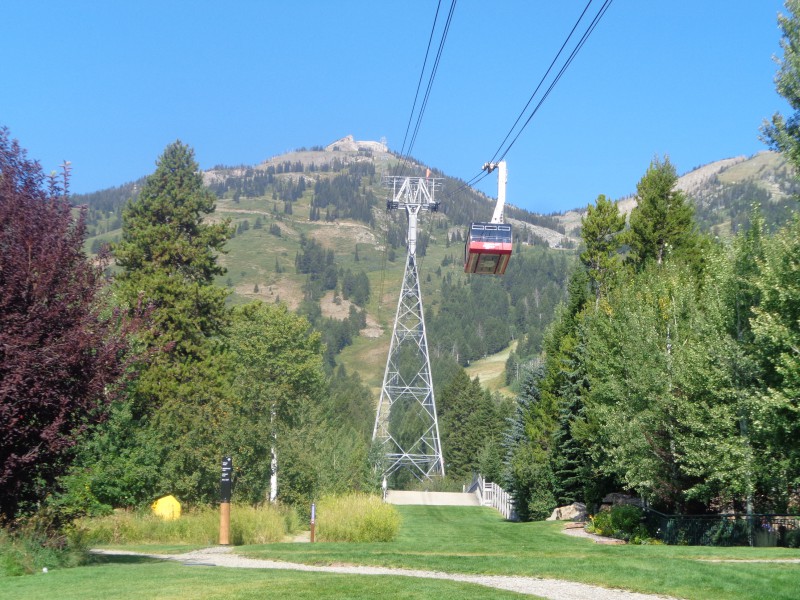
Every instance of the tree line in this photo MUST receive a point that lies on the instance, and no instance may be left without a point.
(139, 384)
(669, 372)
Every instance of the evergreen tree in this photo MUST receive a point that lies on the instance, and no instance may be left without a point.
(527, 473)
(568, 457)
(661, 223)
(352, 406)
(176, 405)
(168, 254)
(601, 227)
(469, 419)
(781, 133)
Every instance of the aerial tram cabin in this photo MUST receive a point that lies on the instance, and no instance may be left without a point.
(487, 249)
(488, 245)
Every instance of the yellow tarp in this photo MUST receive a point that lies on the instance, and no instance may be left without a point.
(168, 508)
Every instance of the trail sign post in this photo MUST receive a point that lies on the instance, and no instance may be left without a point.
(313, 520)
(225, 501)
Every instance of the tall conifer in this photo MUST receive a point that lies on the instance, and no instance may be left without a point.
(178, 402)
(662, 223)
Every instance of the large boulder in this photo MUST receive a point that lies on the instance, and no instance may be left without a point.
(572, 512)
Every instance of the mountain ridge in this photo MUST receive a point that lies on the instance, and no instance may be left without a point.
(766, 174)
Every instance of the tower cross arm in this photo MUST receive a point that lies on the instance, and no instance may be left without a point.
(412, 191)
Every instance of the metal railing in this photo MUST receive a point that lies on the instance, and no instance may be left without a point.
(491, 494)
(725, 529)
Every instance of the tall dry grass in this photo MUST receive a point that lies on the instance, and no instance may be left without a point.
(249, 525)
(356, 518)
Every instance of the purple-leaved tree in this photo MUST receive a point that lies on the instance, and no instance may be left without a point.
(58, 355)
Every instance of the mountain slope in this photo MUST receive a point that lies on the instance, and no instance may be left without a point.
(296, 212)
(723, 192)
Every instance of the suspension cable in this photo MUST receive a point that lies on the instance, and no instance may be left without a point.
(567, 63)
(421, 74)
(405, 153)
(542, 80)
(581, 42)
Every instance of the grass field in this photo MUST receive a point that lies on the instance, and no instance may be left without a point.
(134, 578)
(448, 539)
(476, 540)
(492, 370)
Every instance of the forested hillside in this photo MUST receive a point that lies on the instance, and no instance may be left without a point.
(310, 229)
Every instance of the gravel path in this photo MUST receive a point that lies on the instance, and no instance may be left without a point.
(597, 539)
(553, 589)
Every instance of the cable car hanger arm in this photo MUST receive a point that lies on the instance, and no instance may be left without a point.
(502, 178)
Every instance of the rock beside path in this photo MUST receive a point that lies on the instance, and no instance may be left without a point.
(572, 512)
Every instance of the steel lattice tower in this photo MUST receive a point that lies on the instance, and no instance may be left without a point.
(406, 423)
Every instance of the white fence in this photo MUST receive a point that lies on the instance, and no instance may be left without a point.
(491, 494)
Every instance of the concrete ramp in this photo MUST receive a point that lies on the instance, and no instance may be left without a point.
(431, 498)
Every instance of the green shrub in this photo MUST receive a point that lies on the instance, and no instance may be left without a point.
(541, 504)
(356, 518)
(601, 524)
(625, 520)
(640, 535)
(34, 545)
(622, 521)
(727, 532)
(76, 499)
(793, 538)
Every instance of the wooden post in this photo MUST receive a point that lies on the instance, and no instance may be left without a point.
(224, 523)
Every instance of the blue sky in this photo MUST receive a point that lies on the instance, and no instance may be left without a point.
(107, 85)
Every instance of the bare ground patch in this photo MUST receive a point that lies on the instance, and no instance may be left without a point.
(287, 291)
(329, 234)
(341, 310)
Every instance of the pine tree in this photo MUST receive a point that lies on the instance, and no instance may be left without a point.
(662, 222)
(168, 256)
(168, 253)
(469, 420)
(527, 473)
(780, 133)
(600, 229)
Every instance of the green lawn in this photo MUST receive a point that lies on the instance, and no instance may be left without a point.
(477, 540)
(449, 539)
(134, 578)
